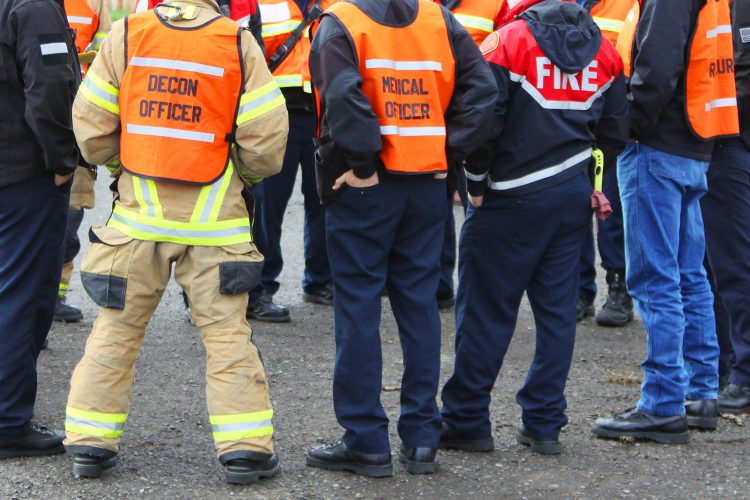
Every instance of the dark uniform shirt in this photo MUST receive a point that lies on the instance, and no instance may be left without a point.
(39, 76)
(741, 33)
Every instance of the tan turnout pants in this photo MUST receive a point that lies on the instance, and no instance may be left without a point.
(127, 277)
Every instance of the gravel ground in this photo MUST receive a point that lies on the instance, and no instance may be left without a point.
(167, 449)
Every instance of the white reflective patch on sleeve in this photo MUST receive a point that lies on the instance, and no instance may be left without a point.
(53, 48)
(745, 34)
(274, 12)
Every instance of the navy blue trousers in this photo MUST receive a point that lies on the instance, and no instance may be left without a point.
(726, 212)
(32, 233)
(271, 199)
(528, 243)
(448, 254)
(389, 236)
(610, 236)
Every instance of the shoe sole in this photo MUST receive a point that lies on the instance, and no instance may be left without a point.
(413, 467)
(68, 320)
(314, 299)
(250, 477)
(705, 423)
(659, 437)
(540, 447)
(285, 319)
(735, 411)
(470, 445)
(615, 324)
(362, 470)
(92, 471)
(9, 453)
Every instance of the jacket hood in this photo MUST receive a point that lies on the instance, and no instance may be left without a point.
(564, 30)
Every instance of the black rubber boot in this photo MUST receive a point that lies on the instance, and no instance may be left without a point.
(90, 466)
(584, 308)
(618, 310)
(65, 312)
(251, 468)
(261, 307)
(37, 441)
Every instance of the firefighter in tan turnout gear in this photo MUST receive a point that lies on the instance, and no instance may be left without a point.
(183, 96)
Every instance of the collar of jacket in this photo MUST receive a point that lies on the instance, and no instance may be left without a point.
(206, 4)
(519, 8)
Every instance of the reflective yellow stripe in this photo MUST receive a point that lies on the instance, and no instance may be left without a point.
(101, 93)
(211, 198)
(92, 431)
(259, 102)
(221, 194)
(288, 80)
(139, 196)
(144, 227)
(479, 23)
(238, 418)
(278, 28)
(154, 196)
(307, 87)
(608, 24)
(237, 435)
(96, 416)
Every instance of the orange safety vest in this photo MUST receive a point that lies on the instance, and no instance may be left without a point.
(83, 20)
(179, 98)
(711, 102)
(610, 16)
(478, 17)
(280, 18)
(408, 76)
(626, 39)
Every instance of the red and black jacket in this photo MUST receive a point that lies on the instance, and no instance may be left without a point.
(561, 92)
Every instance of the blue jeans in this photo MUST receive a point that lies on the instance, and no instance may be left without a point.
(664, 249)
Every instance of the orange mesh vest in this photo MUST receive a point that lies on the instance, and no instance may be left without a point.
(478, 17)
(408, 78)
(625, 41)
(83, 20)
(610, 16)
(711, 102)
(280, 18)
(179, 98)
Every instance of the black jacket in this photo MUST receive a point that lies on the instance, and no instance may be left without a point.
(658, 116)
(741, 33)
(545, 126)
(349, 122)
(39, 76)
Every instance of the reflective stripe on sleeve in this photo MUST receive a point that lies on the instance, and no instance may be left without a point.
(80, 20)
(53, 48)
(259, 102)
(412, 131)
(100, 93)
(242, 425)
(475, 177)
(608, 24)
(172, 133)
(476, 22)
(153, 62)
(541, 174)
(91, 423)
(403, 65)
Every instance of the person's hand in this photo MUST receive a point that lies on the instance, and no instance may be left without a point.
(349, 179)
(62, 179)
(476, 201)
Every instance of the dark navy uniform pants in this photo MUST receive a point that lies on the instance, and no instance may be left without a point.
(388, 235)
(32, 233)
(726, 213)
(529, 243)
(448, 254)
(610, 236)
(271, 199)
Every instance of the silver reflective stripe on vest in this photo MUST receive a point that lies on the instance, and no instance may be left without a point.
(109, 426)
(180, 233)
(172, 133)
(545, 173)
(724, 29)
(150, 208)
(153, 62)
(80, 20)
(727, 102)
(241, 426)
(403, 65)
(412, 131)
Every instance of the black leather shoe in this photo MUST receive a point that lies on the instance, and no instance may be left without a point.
(702, 414)
(418, 460)
(337, 456)
(541, 446)
(317, 293)
(248, 471)
(446, 301)
(37, 442)
(584, 308)
(91, 466)
(65, 312)
(734, 399)
(636, 424)
(262, 308)
(449, 440)
(618, 310)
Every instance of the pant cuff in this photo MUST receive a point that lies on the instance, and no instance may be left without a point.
(662, 410)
